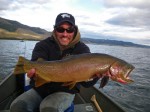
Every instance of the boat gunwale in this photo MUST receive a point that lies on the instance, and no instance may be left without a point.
(16, 91)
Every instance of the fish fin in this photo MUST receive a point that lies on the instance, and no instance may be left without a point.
(130, 80)
(104, 81)
(19, 66)
(39, 81)
(70, 84)
(40, 59)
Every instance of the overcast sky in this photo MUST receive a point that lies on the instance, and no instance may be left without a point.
(126, 20)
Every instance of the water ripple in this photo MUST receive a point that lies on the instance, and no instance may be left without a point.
(134, 97)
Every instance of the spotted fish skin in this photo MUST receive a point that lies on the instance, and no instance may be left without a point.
(76, 68)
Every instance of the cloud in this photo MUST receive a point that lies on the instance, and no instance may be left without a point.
(129, 13)
(38, 14)
(117, 19)
(127, 3)
(5, 4)
(132, 18)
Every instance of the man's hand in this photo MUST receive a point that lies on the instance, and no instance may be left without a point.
(31, 73)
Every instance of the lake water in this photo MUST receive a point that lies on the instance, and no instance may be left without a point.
(133, 97)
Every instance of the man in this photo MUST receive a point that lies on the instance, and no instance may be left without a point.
(53, 97)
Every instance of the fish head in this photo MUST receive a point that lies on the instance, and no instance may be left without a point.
(120, 72)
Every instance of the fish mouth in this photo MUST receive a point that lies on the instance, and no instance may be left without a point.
(122, 77)
(127, 78)
(130, 69)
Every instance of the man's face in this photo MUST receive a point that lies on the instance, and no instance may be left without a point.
(64, 33)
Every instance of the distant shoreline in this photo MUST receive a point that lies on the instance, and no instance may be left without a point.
(18, 39)
(86, 41)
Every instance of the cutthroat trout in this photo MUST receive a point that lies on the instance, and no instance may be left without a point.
(76, 68)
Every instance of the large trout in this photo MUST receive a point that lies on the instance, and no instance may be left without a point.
(77, 68)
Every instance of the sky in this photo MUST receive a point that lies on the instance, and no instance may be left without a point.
(125, 20)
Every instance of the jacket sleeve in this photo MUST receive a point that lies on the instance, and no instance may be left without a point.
(81, 48)
(39, 51)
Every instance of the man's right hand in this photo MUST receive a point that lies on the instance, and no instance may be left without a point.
(31, 73)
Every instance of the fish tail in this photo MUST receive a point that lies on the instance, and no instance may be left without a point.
(39, 81)
(19, 68)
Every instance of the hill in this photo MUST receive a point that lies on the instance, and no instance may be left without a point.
(10, 29)
(112, 42)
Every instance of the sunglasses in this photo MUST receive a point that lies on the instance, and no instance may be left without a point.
(61, 29)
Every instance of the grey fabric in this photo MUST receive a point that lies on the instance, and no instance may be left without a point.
(31, 101)
(26, 102)
(57, 102)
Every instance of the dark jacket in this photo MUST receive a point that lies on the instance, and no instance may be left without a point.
(49, 50)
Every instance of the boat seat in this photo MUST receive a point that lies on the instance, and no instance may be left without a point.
(87, 107)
